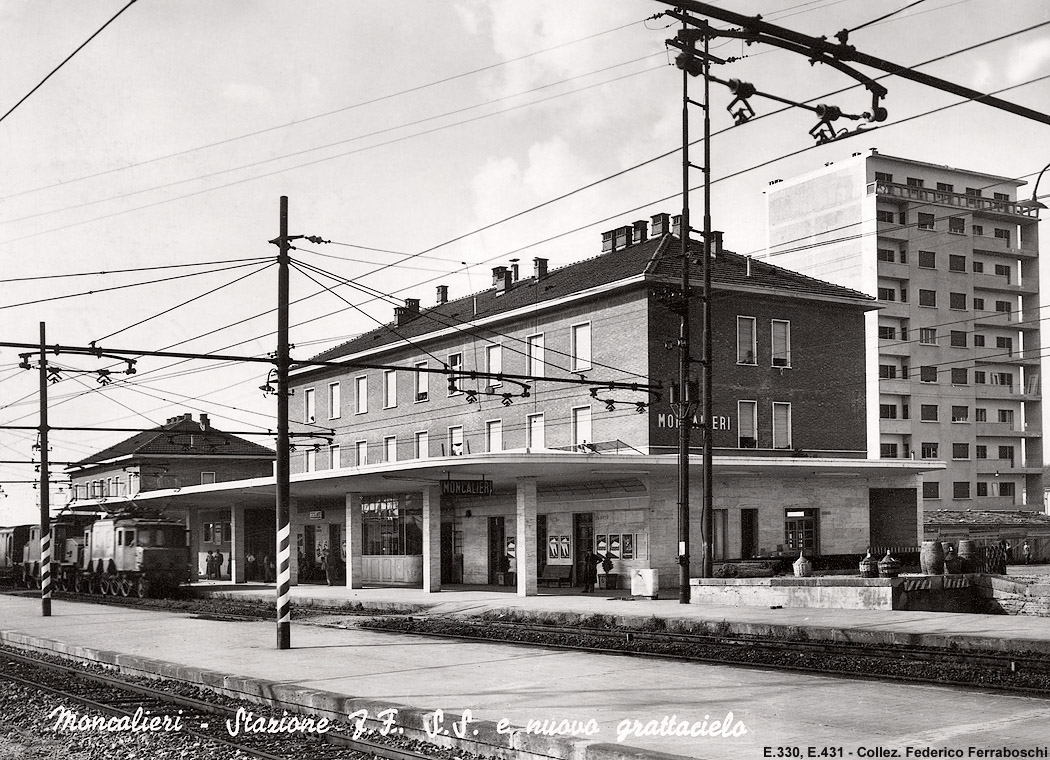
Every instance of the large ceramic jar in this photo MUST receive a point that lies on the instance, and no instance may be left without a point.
(889, 567)
(869, 566)
(803, 567)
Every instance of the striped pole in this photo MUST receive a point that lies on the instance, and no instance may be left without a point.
(283, 471)
(45, 489)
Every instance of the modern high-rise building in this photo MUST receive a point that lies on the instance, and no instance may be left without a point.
(953, 354)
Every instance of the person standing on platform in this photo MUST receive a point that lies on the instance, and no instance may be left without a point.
(209, 565)
(590, 571)
(1026, 550)
(218, 566)
(250, 567)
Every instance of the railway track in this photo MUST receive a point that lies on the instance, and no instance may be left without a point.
(87, 701)
(1014, 673)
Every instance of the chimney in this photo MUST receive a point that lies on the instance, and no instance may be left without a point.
(442, 295)
(497, 274)
(514, 269)
(539, 268)
(641, 231)
(406, 313)
(607, 241)
(506, 281)
(621, 238)
(661, 224)
(205, 422)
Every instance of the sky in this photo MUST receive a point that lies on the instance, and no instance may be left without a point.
(140, 183)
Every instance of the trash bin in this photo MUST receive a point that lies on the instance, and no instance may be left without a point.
(645, 583)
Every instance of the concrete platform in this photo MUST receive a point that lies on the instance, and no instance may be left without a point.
(337, 672)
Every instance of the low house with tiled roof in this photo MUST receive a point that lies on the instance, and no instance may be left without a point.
(181, 453)
(436, 474)
(992, 528)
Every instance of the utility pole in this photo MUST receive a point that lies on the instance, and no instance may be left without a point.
(283, 474)
(707, 518)
(45, 488)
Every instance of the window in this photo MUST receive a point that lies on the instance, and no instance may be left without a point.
(1001, 196)
(885, 294)
(1003, 235)
(928, 259)
(960, 451)
(390, 448)
(422, 381)
(980, 415)
(781, 332)
(801, 530)
(979, 377)
(974, 192)
(928, 374)
(747, 424)
(914, 182)
(956, 300)
(928, 336)
(422, 445)
(781, 425)
(333, 401)
(883, 177)
(494, 363)
(981, 451)
(310, 406)
(887, 411)
(581, 425)
(494, 435)
(887, 451)
(389, 388)
(960, 414)
(928, 412)
(1002, 378)
(904, 254)
(958, 338)
(1006, 489)
(961, 489)
(927, 297)
(886, 254)
(957, 225)
(978, 341)
(335, 460)
(310, 457)
(746, 348)
(535, 351)
(1004, 307)
(960, 376)
(931, 489)
(1007, 452)
(944, 187)
(1006, 343)
(207, 478)
(455, 441)
(455, 366)
(1003, 270)
(977, 229)
(361, 453)
(978, 304)
(361, 393)
(904, 294)
(926, 221)
(883, 215)
(956, 263)
(905, 412)
(536, 438)
(1006, 416)
(928, 450)
(886, 332)
(581, 347)
(982, 488)
(887, 372)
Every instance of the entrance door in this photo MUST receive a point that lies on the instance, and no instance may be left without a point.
(306, 562)
(541, 544)
(448, 565)
(583, 539)
(497, 548)
(748, 533)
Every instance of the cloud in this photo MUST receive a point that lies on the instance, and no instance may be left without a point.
(244, 92)
(1022, 63)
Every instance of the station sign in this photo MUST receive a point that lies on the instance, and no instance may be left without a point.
(467, 488)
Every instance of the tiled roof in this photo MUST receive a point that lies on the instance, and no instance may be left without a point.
(180, 436)
(984, 517)
(656, 259)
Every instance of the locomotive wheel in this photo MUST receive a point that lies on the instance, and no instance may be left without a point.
(92, 584)
(142, 588)
(124, 585)
(79, 584)
(60, 583)
(104, 586)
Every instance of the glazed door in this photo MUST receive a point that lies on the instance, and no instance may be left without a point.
(497, 547)
(748, 533)
(583, 539)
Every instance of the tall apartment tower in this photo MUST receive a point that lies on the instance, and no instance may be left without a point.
(953, 353)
